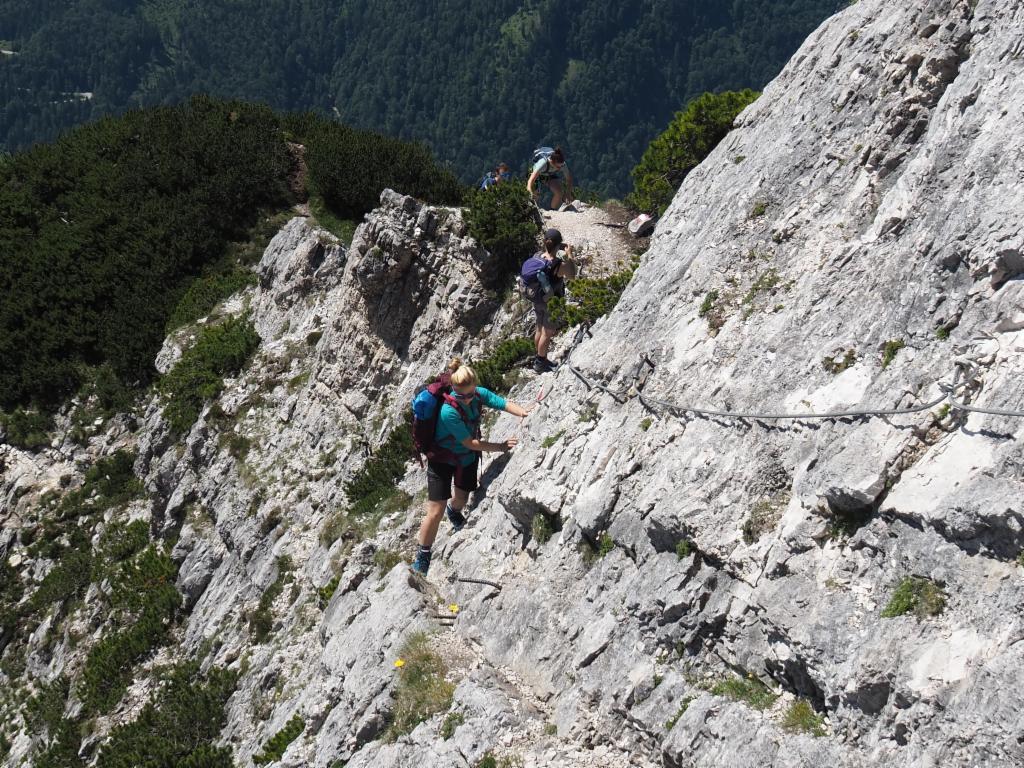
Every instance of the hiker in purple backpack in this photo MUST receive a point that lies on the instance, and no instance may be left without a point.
(543, 275)
(454, 447)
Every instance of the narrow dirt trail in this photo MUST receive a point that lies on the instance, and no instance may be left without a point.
(599, 234)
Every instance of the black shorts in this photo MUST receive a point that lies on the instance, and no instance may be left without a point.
(441, 475)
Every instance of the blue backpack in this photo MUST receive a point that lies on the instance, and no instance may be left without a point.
(537, 277)
(492, 178)
(532, 267)
(426, 406)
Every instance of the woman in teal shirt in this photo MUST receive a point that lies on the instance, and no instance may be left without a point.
(458, 433)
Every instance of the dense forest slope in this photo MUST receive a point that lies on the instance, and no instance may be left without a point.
(478, 81)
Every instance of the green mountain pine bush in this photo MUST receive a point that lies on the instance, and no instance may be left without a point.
(503, 219)
(689, 138)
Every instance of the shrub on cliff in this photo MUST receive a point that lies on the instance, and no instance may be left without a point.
(145, 601)
(492, 370)
(503, 219)
(349, 168)
(179, 726)
(376, 479)
(130, 226)
(689, 138)
(591, 298)
(221, 350)
(27, 429)
(276, 746)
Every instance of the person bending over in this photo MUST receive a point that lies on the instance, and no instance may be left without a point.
(553, 171)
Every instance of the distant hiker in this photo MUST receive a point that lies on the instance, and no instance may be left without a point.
(543, 275)
(549, 168)
(498, 175)
(453, 450)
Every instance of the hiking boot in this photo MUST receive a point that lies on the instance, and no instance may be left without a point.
(456, 518)
(543, 365)
(422, 562)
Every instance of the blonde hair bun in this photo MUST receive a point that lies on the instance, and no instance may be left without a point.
(463, 376)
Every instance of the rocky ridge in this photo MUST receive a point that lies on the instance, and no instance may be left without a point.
(671, 586)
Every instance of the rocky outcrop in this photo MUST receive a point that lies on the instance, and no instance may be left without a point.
(674, 589)
(859, 205)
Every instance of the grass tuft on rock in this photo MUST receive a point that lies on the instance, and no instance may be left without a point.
(917, 595)
(261, 620)
(749, 690)
(683, 706)
(386, 559)
(801, 717)
(550, 440)
(544, 526)
(451, 721)
(326, 592)
(422, 690)
(764, 516)
(835, 364)
(890, 350)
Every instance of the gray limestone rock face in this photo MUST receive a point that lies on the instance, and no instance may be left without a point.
(858, 205)
(674, 589)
